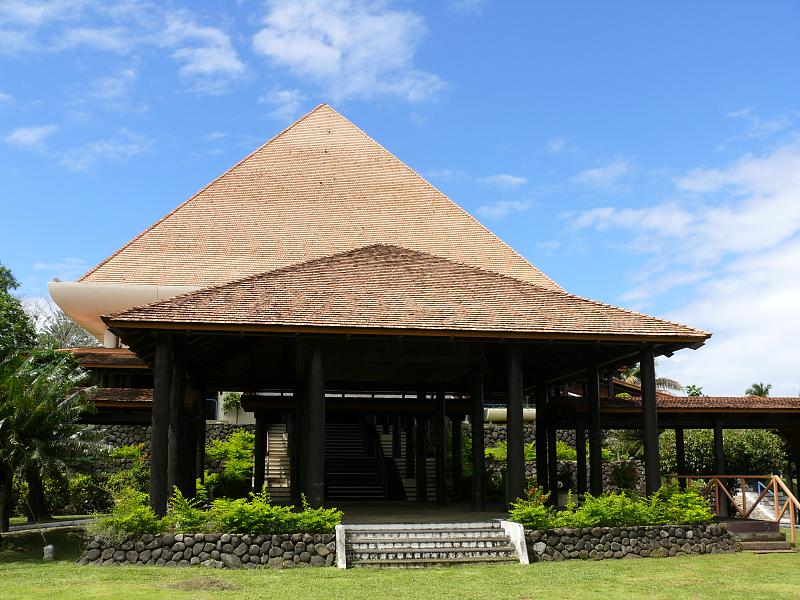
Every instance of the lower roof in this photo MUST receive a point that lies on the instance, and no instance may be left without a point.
(389, 289)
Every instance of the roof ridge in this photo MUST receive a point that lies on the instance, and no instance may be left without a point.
(201, 190)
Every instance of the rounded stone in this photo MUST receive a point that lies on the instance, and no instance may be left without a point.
(131, 556)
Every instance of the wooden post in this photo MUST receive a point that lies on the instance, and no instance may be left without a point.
(580, 450)
(177, 429)
(260, 452)
(719, 465)
(455, 442)
(293, 447)
(314, 419)
(515, 437)
(478, 457)
(541, 435)
(159, 423)
(652, 465)
(200, 432)
(552, 454)
(595, 433)
(422, 459)
(680, 456)
(439, 428)
(410, 462)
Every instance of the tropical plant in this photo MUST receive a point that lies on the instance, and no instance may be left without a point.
(231, 403)
(694, 390)
(17, 333)
(236, 456)
(632, 375)
(759, 389)
(41, 405)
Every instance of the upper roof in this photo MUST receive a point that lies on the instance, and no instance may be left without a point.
(320, 187)
(96, 357)
(383, 288)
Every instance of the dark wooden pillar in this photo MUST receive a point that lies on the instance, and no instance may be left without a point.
(478, 457)
(410, 461)
(260, 454)
(395, 437)
(422, 459)
(159, 423)
(719, 463)
(610, 384)
(541, 436)
(177, 429)
(652, 465)
(457, 466)
(580, 450)
(200, 433)
(552, 454)
(680, 456)
(440, 433)
(190, 452)
(314, 430)
(514, 424)
(595, 433)
(293, 448)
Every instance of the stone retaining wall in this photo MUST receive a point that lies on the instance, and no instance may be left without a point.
(598, 543)
(221, 551)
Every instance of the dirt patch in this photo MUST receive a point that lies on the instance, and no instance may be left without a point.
(203, 583)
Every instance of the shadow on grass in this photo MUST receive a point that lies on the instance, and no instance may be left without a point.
(26, 547)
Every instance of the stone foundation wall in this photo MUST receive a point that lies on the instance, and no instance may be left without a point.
(494, 433)
(599, 543)
(220, 551)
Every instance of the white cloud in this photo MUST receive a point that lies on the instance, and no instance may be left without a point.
(503, 180)
(503, 208)
(349, 48)
(468, 7)
(448, 175)
(559, 145)
(730, 239)
(113, 87)
(30, 137)
(215, 135)
(126, 145)
(112, 39)
(287, 104)
(6, 99)
(606, 176)
(758, 127)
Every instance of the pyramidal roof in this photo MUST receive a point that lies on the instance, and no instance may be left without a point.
(380, 289)
(320, 187)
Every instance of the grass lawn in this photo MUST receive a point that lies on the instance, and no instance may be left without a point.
(23, 575)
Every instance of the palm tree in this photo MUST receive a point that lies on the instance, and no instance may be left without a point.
(759, 389)
(41, 404)
(664, 384)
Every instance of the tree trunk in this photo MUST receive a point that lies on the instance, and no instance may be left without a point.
(36, 509)
(6, 480)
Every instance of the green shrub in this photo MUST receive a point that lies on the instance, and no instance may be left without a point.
(318, 520)
(236, 455)
(130, 515)
(253, 515)
(136, 476)
(185, 514)
(747, 451)
(532, 512)
(670, 506)
(89, 494)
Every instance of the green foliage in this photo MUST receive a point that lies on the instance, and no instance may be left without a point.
(668, 506)
(231, 403)
(236, 455)
(624, 474)
(258, 515)
(317, 520)
(564, 452)
(131, 515)
(89, 494)
(694, 390)
(185, 514)
(136, 476)
(17, 332)
(759, 389)
(747, 451)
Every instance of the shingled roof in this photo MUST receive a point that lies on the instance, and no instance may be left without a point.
(384, 288)
(320, 187)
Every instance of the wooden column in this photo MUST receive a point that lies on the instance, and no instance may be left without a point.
(422, 459)
(580, 450)
(514, 425)
(478, 457)
(440, 433)
(552, 455)
(177, 429)
(293, 449)
(410, 458)
(595, 433)
(652, 465)
(395, 437)
(314, 430)
(159, 423)
(719, 463)
(455, 442)
(541, 436)
(190, 452)
(260, 452)
(200, 432)
(680, 456)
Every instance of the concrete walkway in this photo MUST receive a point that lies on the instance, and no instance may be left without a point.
(49, 525)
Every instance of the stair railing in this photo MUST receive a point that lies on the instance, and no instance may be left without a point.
(716, 484)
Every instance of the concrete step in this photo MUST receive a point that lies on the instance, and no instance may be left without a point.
(426, 535)
(418, 563)
(766, 546)
(357, 556)
(760, 536)
(750, 525)
(441, 543)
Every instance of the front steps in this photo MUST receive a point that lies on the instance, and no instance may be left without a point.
(428, 545)
(759, 537)
(278, 467)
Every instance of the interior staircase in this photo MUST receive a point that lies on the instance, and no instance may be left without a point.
(428, 545)
(759, 537)
(352, 471)
(409, 483)
(278, 468)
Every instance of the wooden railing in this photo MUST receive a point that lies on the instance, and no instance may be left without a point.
(716, 484)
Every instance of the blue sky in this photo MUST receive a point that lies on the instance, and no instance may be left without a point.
(644, 154)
